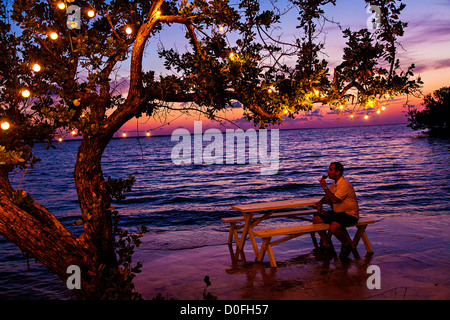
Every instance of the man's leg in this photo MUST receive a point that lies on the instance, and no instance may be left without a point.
(338, 232)
(323, 234)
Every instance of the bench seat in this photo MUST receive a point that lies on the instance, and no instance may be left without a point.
(286, 214)
(296, 231)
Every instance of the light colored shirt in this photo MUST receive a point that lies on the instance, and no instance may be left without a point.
(344, 191)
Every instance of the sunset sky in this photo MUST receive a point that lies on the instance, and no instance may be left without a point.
(426, 44)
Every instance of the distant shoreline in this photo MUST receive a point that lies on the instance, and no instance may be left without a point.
(280, 128)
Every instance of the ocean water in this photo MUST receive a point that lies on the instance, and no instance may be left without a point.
(394, 170)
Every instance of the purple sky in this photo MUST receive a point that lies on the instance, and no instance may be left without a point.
(426, 44)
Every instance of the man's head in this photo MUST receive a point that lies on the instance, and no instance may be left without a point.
(335, 170)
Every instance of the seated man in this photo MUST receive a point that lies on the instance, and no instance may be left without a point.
(345, 211)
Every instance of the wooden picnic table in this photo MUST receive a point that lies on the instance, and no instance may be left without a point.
(250, 220)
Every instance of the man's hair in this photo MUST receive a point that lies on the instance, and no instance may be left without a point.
(338, 167)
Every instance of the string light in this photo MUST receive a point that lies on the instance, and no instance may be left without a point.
(36, 67)
(370, 103)
(231, 55)
(5, 125)
(269, 90)
(61, 5)
(128, 30)
(378, 111)
(124, 134)
(74, 133)
(383, 108)
(25, 93)
(366, 117)
(91, 13)
(352, 116)
(60, 139)
(148, 134)
(54, 35)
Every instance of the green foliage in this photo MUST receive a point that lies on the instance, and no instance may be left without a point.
(23, 200)
(120, 280)
(75, 88)
(435, 116)
(117, 187)
(117, 283)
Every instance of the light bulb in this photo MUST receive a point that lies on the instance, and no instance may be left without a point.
(36, 67)
(269, 90)
(128, 30)
(352, 116)
(91, 13)
(124, 134)
(60, 139)
(366, 117)
(148, 134)
(5, 125)
(61, 5)
(53, 35)
(26, 93)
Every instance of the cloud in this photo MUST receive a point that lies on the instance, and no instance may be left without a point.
(431, 64)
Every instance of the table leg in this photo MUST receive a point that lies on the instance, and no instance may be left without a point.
(248, 220)
(253, 241)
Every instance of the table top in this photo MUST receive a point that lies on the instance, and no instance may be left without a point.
(274, 205)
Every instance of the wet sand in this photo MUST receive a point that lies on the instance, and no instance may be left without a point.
(413, 254)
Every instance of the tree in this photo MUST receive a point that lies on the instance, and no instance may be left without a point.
(435, 117)
(74, 89)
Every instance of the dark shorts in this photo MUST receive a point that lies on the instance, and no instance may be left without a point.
(342, 218)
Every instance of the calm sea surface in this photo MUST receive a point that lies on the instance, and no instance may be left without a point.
(395, 171)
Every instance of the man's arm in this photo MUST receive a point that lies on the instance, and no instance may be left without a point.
(328, 194)
(325, 199)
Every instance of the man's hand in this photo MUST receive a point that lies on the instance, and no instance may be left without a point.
(319, 207)
(323, 183)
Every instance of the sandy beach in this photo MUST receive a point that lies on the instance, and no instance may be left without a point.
(412, 252)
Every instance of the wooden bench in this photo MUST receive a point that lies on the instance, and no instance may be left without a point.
(294, 232)
(287, 214)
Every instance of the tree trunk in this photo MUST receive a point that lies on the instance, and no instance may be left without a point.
(40, 235)
(95, 201)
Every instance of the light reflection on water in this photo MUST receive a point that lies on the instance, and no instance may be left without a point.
(394, 171)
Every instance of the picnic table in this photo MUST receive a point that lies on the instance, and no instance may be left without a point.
(271, 209)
